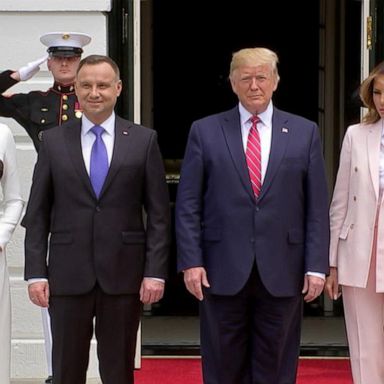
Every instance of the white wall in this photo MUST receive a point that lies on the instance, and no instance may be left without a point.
(22, 23)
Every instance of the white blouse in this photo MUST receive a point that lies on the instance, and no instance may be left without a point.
(11, 204)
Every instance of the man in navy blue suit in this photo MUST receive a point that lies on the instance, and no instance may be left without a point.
(251, 253)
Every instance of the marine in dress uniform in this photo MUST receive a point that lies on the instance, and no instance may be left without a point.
(37, 111)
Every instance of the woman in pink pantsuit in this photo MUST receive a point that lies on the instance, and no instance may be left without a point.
(357, 235)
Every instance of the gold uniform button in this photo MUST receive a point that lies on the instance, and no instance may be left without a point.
(78, 114)
(65, 97)
(64, 117)
(65, 107)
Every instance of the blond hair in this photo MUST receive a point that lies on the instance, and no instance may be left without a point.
(254, 57)
(366, 94)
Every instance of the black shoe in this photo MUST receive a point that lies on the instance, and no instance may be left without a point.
(49, 380)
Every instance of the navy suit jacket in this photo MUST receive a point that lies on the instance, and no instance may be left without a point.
(105, 239)
(223, 228)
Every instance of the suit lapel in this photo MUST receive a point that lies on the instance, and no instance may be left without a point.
(72, 134)
(232, 133)
(373, 151)
(123, 145)
(279, 141)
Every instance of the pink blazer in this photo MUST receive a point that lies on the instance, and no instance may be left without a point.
(353, 207)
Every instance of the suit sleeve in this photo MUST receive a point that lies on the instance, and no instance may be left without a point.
(189, 204)
(10, 105)
(317, 217)
(16, 106)
(37, 218)
(6, 81)
(158, 214)
(339, 204)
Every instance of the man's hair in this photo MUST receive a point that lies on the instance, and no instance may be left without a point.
(255, 56)
(98, 59)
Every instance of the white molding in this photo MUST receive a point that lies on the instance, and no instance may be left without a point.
(365, 12)
(55, 5)
(136, 62)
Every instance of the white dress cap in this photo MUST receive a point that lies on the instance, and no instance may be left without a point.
(65, 43)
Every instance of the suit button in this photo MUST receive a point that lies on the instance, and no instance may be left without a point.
(257, 209)
(354, 198)
(98, 209)
(252, 240)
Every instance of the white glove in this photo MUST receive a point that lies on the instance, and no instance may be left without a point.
(31, 68)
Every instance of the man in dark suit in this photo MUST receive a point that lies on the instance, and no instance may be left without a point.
(91, 183)
(252, 228)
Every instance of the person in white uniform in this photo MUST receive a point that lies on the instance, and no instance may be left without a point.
(11, 207)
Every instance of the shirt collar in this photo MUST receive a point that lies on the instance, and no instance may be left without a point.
(265, 117)
(108, 125)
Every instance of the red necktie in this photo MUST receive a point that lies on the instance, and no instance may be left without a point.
(253, 156)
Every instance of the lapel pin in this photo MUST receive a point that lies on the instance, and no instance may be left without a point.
(125, 133)
(284, 130)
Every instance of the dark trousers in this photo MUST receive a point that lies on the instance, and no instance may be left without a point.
(115, 319)
(251, 337)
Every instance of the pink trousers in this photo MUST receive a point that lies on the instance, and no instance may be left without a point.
(364, 318)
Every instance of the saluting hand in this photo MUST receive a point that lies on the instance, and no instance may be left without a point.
(29, 70)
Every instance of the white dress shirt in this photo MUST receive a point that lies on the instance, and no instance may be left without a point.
(88, 138)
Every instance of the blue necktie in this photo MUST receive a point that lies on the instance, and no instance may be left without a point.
(99, 161)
